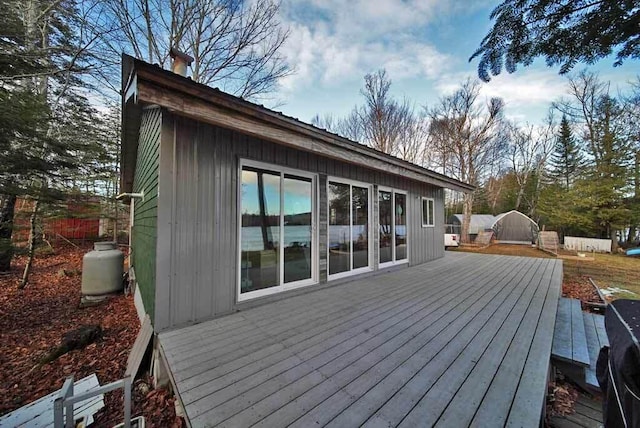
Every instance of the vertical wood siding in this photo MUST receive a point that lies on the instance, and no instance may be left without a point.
(201, 277)
(144, 228)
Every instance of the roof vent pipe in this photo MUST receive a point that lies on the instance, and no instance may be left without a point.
(180, 61)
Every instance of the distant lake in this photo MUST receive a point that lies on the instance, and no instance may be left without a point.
(252, 236)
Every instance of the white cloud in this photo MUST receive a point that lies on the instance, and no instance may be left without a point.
(526, 87)
(524, 92)
(528, 90)
(334, 41)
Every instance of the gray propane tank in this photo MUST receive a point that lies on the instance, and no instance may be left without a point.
(102, 269)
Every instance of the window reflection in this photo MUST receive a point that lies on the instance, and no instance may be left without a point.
(339, 197)
(259, 236)
(297, 194)
(360, 229)
(385, 207)
(401, 226)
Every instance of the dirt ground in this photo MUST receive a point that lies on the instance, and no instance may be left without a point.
(33, 321)
(609, 271)
(507, 250)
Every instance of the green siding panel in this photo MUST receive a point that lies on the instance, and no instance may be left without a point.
(144, 230)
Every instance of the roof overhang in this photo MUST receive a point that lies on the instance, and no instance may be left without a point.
(146, 84)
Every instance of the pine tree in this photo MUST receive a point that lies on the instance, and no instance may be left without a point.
(567, 159)
(564, 32)
(45, 114)
(609, 176)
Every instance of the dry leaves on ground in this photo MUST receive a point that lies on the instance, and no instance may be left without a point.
(33, 321)
(579, 287)
(561, 398)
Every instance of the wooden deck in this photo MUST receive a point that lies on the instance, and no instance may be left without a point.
(464, 340)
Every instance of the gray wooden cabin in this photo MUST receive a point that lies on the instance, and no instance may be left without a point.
(236, 205)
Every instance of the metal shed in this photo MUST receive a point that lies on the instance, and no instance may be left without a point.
(479, 222)
(514, 227)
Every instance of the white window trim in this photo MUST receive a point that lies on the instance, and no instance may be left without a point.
(393, 261)
(351, 183)
(315, 249)
(433, 211)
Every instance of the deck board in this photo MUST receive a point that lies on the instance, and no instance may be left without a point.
(495, 406)
(343, 374)
(337, 327)
(374, 296)
(532, 386)
(421, 344)
(596, 339)
(365, 353)
(570, 340)
(459, 390)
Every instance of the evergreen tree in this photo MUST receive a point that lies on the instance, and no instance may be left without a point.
(45, 116)
(609, 176)
(567, 158)
(564, 32)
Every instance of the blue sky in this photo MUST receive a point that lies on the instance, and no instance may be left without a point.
(423, 45)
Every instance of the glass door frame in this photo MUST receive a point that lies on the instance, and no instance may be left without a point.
(393, 192)
(370, 257)
(241, 297)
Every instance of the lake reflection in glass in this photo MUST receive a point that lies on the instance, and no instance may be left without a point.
(360, 229)
(297, 193)
(339, 197)
(259, 236)
(385, 207)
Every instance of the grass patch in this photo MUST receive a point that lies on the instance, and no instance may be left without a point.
(609, 270)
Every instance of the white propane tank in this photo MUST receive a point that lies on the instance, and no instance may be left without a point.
(102, 269)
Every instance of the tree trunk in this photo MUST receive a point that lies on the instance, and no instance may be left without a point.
(467, 208)
(495, 197)
(636, 199)
(7, 210)
(519, 198)
(267, 239)
(32, 246)
(614, 239)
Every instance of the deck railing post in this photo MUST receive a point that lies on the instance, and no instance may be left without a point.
(127, 402)
(59, 406)
(66, 401)
(58, 417)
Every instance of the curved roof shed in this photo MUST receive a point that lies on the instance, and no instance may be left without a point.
(515, 227)
(478, 223)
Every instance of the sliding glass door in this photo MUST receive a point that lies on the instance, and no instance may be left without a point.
(277, 233)
(298, 228)
(392, 216)
(349, 219)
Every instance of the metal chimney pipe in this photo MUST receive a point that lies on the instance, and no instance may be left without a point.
(180, 61)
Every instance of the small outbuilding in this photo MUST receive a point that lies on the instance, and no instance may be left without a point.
(513, 227)
(478, 223)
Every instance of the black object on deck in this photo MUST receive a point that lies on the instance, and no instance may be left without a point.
(618, 369)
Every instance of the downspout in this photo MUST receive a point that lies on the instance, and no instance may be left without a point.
(132, 284)
(132, 197)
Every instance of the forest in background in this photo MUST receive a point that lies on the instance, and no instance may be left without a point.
(577, 173)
